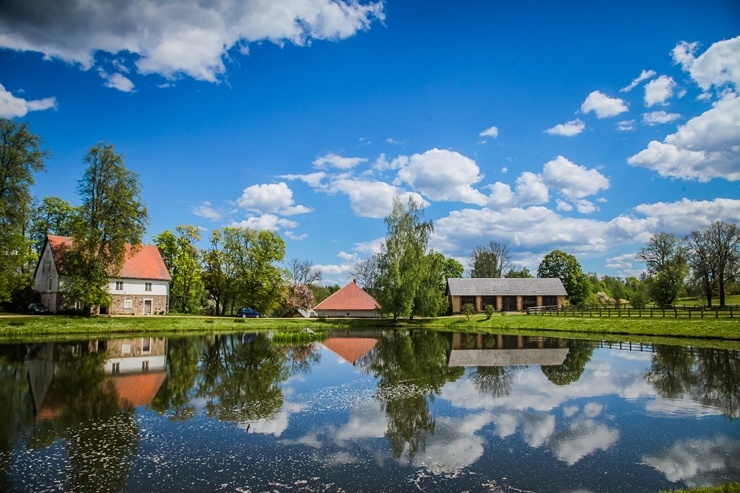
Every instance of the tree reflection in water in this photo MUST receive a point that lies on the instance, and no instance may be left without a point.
(176, 393)
(410, 368)
(579, 354)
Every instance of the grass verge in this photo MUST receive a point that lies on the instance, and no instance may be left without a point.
(705, 332)
(725, 488)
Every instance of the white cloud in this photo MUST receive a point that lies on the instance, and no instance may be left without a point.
(717, 66)
(491, 132)
(443, 175)
(371, 198)
(117, 81)
(582, 438)
(207, 211)
(704, 148)
(569, 129)
(268, 222)
(314, 180)
(172, 38)
(572, 180)
(274, 198)
(694, 460)
(659, 90)
(331, 160)
(13, 107)
(603, 105)
(659, 117)
(531, 190)
(644, 75)
(626, 125)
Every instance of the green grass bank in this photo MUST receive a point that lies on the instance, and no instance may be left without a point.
(710, 331)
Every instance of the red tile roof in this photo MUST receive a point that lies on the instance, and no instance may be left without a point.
(138, 389)
(350, 297)
(146, 263)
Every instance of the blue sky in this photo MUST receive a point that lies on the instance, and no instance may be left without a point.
(583, 126)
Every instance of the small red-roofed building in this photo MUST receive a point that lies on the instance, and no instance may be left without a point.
(141, 288)
(349, 301)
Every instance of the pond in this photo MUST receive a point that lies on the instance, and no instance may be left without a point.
(381, 411)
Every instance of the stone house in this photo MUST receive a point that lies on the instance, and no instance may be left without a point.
(141, 288)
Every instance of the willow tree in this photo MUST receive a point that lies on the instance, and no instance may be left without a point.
(112, 219)
(20, 156)
(402, 259)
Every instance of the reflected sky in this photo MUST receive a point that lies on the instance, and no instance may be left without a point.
(381, 413)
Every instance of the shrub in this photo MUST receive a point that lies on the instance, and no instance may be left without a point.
(468, 309)
(490, 310)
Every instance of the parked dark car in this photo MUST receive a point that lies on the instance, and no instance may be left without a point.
(248, 313)
(37, 309)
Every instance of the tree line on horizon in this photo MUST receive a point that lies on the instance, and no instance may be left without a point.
(246, 267)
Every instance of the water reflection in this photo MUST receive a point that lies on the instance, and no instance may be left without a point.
(433, 411)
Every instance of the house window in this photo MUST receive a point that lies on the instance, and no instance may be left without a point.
(144, 365)
(119, 285)
(147, 286)
(128, 304)
(116, 368)
(50, 284)
(146, 345)
(489, 300)
(125, 348)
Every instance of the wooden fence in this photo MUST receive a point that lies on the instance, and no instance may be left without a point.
(668, 312)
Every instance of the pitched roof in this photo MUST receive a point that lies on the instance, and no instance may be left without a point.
(145, 263)
(350, 297)
(505, 287)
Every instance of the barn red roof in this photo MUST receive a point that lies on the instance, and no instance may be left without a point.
(350, 297)
(146, 263)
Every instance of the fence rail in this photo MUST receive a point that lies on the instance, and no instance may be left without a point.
(668, 312)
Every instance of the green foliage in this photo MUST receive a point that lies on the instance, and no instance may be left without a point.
(240, 269)
(667, 265)
(182, 258)
(401, 261)
(522, 273)
(489, 310)
(468, 309)
(579, 354)
(490, 261)
(20, 157)
(566, 267)
(112, 220)
(54, 216)
(725, 488)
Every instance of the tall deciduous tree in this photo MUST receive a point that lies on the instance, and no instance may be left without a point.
(366, 273)
(240, 269)
(724, 249)
(666, 262)
(53, 216)
(490, 261)
(20, 157)
(567, 268)
(303, 275)
(182, 258)
(112, 220)
(401, 258)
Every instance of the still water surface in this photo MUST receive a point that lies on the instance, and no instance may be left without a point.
(375, 411)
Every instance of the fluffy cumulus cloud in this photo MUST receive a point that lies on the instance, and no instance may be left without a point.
(270, 198)
(269, 222)
(583, 437)
(602, 105)
(369, 198)
(569, 129)
(15, 107)
(659, 90)
(443, 175)
(117, 81)
(207, 211)
(706, 147)
(174, 37)
(572, 180)
(697, 462)
(718, 66)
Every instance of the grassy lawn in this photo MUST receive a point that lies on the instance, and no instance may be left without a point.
(726, 488)
(721, 332)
